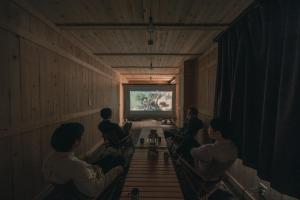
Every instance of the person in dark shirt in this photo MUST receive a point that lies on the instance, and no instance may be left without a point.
(112, 132)
(113, 135)
(188, 132)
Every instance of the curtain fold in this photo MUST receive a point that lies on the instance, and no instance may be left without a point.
(258, 89)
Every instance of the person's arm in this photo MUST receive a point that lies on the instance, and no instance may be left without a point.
(90, 181)
(202, 153)
(120, 132)
(126, 128)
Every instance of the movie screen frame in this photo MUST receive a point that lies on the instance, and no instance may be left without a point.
(158, 106)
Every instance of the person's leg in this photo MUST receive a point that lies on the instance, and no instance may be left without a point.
(185, 148)
(116, 161)
(184, 145)
(109, 162)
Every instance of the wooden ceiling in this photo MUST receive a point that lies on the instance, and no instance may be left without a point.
(117, 31)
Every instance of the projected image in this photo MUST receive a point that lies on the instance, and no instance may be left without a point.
(150, 100)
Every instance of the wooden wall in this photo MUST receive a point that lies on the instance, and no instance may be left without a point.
(180, 97)
(46, 79)
(204, 86)
(243, 178)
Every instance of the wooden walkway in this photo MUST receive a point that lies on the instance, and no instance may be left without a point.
(156, 179)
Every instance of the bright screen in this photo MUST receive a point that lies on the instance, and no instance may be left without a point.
(151, 100)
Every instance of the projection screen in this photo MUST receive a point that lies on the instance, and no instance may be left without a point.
(149, 101)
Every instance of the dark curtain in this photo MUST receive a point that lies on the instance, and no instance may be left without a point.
(258, 89)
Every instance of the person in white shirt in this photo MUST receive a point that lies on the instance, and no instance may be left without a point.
(212, 160)
(62, 166)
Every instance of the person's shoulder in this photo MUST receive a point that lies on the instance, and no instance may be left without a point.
(199, 121)
(196, 120)
(207, 146)
(78, 163)
(115, 126)
(204, 147)
(104, 124)
(101, 124)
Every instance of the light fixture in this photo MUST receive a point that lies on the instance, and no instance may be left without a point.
(151, 29)
(173, 81)
(151, 67)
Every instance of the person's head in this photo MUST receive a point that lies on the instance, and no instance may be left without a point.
(67, 137)
(192, 112)
(106, 113)
(220, 129)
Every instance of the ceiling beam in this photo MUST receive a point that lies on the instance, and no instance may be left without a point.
(152, 82)
(148, 54)
(142, 26)
(146, 78)
(147, 74)
(143, 67)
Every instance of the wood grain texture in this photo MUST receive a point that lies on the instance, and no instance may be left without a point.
(156, 179)
(4, 81)
(46, 80)
(6, 172)
(167, 39)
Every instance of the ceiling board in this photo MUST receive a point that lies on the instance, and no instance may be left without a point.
(126, 71)
(183, 27)
(137, 11)
(131, 41)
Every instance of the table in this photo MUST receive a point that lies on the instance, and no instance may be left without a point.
(144, 134)
(156, 179)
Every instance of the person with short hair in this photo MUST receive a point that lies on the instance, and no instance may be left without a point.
(188, 132)
(212, 160)
(62, 166)
(112, 132)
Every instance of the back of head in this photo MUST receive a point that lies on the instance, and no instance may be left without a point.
(193, 111)
(65, 136)
(106, 113)
(224, 126)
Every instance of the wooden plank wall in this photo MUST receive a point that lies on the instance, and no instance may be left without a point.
(179, 97)
(46, 79)
(205, 91)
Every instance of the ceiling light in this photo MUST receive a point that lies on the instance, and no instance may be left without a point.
(151, 29)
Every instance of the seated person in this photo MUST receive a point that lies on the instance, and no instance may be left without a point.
(112, 132)
(212, 160)
(62, 166)
(188, 132)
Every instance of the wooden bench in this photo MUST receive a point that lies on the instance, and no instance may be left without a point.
(201, 186)
(53, 191)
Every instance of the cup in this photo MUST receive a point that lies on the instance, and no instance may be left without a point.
(142, 140)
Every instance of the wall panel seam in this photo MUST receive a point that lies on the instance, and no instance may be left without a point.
(43, 123)
(28, 8)
(48, 46)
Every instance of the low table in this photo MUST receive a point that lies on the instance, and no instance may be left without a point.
(145, 133)
(156, 179)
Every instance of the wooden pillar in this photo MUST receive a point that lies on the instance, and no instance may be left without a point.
(189, 84)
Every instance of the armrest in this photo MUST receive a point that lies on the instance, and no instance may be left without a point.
(188, 166)
(124, 140)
